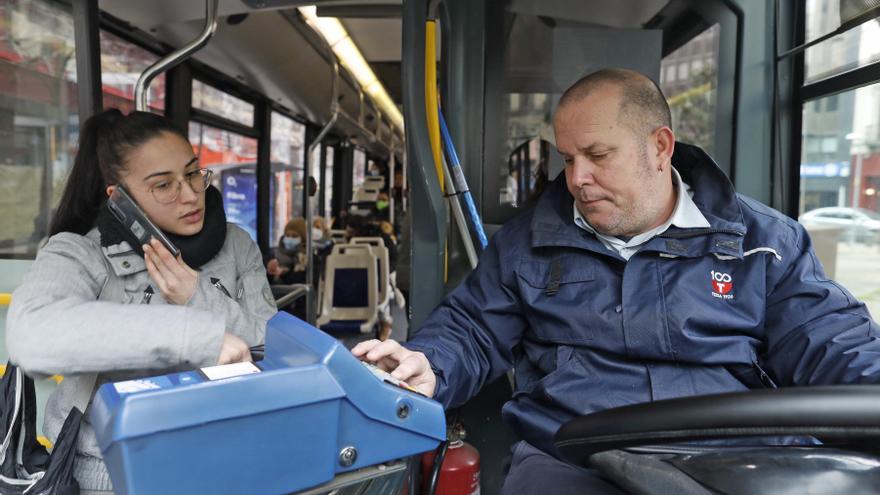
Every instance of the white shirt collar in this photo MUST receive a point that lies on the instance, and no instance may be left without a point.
(685, 215)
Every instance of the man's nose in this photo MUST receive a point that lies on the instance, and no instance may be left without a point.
(582, 171)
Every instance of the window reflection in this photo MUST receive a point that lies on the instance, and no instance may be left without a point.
(527, 148)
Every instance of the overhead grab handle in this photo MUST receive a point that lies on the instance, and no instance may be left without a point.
(176, 57)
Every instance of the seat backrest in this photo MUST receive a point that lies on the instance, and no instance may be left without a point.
(379, 249)
(337, 235)
(374, 182)
(349, 286)
(365, 193)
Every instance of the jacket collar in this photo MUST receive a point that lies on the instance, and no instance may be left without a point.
(120, 257)
(553, 223)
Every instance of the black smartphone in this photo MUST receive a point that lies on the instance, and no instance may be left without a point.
(129, 214)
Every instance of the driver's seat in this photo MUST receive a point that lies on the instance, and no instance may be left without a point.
(613, 441)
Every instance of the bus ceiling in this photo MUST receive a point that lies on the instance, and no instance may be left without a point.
(246, 48)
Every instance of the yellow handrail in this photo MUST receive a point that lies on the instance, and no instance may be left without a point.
(5, 298)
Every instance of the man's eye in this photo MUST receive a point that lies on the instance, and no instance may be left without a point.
(193, 175)
(162, 186)
(568, 160)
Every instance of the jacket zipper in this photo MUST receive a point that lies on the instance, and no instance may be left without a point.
(695, 233)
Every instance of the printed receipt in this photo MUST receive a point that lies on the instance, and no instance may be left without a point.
(229, 370)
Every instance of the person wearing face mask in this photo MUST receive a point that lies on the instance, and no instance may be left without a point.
(97, 306)
(289, 264)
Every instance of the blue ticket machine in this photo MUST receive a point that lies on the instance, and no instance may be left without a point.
(306, 413)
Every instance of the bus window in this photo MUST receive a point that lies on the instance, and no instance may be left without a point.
(328, 181)
(359, 169)
(288, 152)
(121, 65)
(839, 183)
(233, 158)
(689, 80)
(221, 103)
(40, 121)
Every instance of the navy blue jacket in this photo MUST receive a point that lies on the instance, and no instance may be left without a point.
(742, 304)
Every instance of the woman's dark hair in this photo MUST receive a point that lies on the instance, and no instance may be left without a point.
(105, 142)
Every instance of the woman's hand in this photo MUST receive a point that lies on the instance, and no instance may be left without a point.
(233, 350)
(175, 279)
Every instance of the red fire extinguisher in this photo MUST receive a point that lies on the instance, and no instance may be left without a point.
(460, 472)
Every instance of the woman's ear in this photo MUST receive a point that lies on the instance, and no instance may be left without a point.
(110, 190)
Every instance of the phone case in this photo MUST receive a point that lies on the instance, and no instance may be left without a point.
(129, 214)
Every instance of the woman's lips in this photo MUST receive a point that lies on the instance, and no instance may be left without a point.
(194, 216)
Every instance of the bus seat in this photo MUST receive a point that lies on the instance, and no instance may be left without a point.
(349, 302)
(368, 194)
(337, 235)
(381, 251)
(375, 182)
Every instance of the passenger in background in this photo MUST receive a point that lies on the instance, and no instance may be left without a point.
(289, 264)
(95, 301)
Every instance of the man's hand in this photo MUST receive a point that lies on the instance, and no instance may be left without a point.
(175, 279)
(233, 350)
(406, 365)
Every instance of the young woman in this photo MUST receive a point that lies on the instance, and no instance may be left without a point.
(95, 301)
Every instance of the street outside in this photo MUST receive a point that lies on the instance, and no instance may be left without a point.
(858, 269)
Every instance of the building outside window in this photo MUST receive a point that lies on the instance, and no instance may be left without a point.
(39, 121)
(691, 95)
(840, 162)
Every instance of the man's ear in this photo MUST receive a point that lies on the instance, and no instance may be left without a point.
(664, 146)
(110, 190)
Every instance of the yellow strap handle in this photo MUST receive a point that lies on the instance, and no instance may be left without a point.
(5, 298)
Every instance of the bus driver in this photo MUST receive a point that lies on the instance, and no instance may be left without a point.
(640, 275)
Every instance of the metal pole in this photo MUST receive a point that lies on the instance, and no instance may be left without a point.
(311, 310)
(176, 57)
(458, 215)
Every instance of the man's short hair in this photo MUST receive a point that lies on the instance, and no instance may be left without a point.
(643, 107)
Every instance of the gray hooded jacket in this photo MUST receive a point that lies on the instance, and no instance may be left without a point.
(57, 324)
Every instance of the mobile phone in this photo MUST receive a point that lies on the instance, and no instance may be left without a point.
(129, 214)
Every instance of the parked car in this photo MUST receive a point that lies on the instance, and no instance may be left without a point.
(858, 224)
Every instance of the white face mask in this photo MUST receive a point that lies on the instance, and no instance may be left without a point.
(317, 234)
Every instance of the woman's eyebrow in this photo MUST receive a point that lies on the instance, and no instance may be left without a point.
(168, 172)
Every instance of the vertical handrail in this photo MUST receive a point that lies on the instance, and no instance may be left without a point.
(429, 231)
(311, 309)
(175, 57)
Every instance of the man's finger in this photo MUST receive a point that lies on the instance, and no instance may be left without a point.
(389, 348)
(408, 368)
(364, 347)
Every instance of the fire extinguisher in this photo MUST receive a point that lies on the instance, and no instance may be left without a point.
(457, 467)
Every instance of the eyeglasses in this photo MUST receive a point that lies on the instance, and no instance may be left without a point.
(168, 190)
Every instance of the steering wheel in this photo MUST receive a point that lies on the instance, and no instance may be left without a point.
(848, 413)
